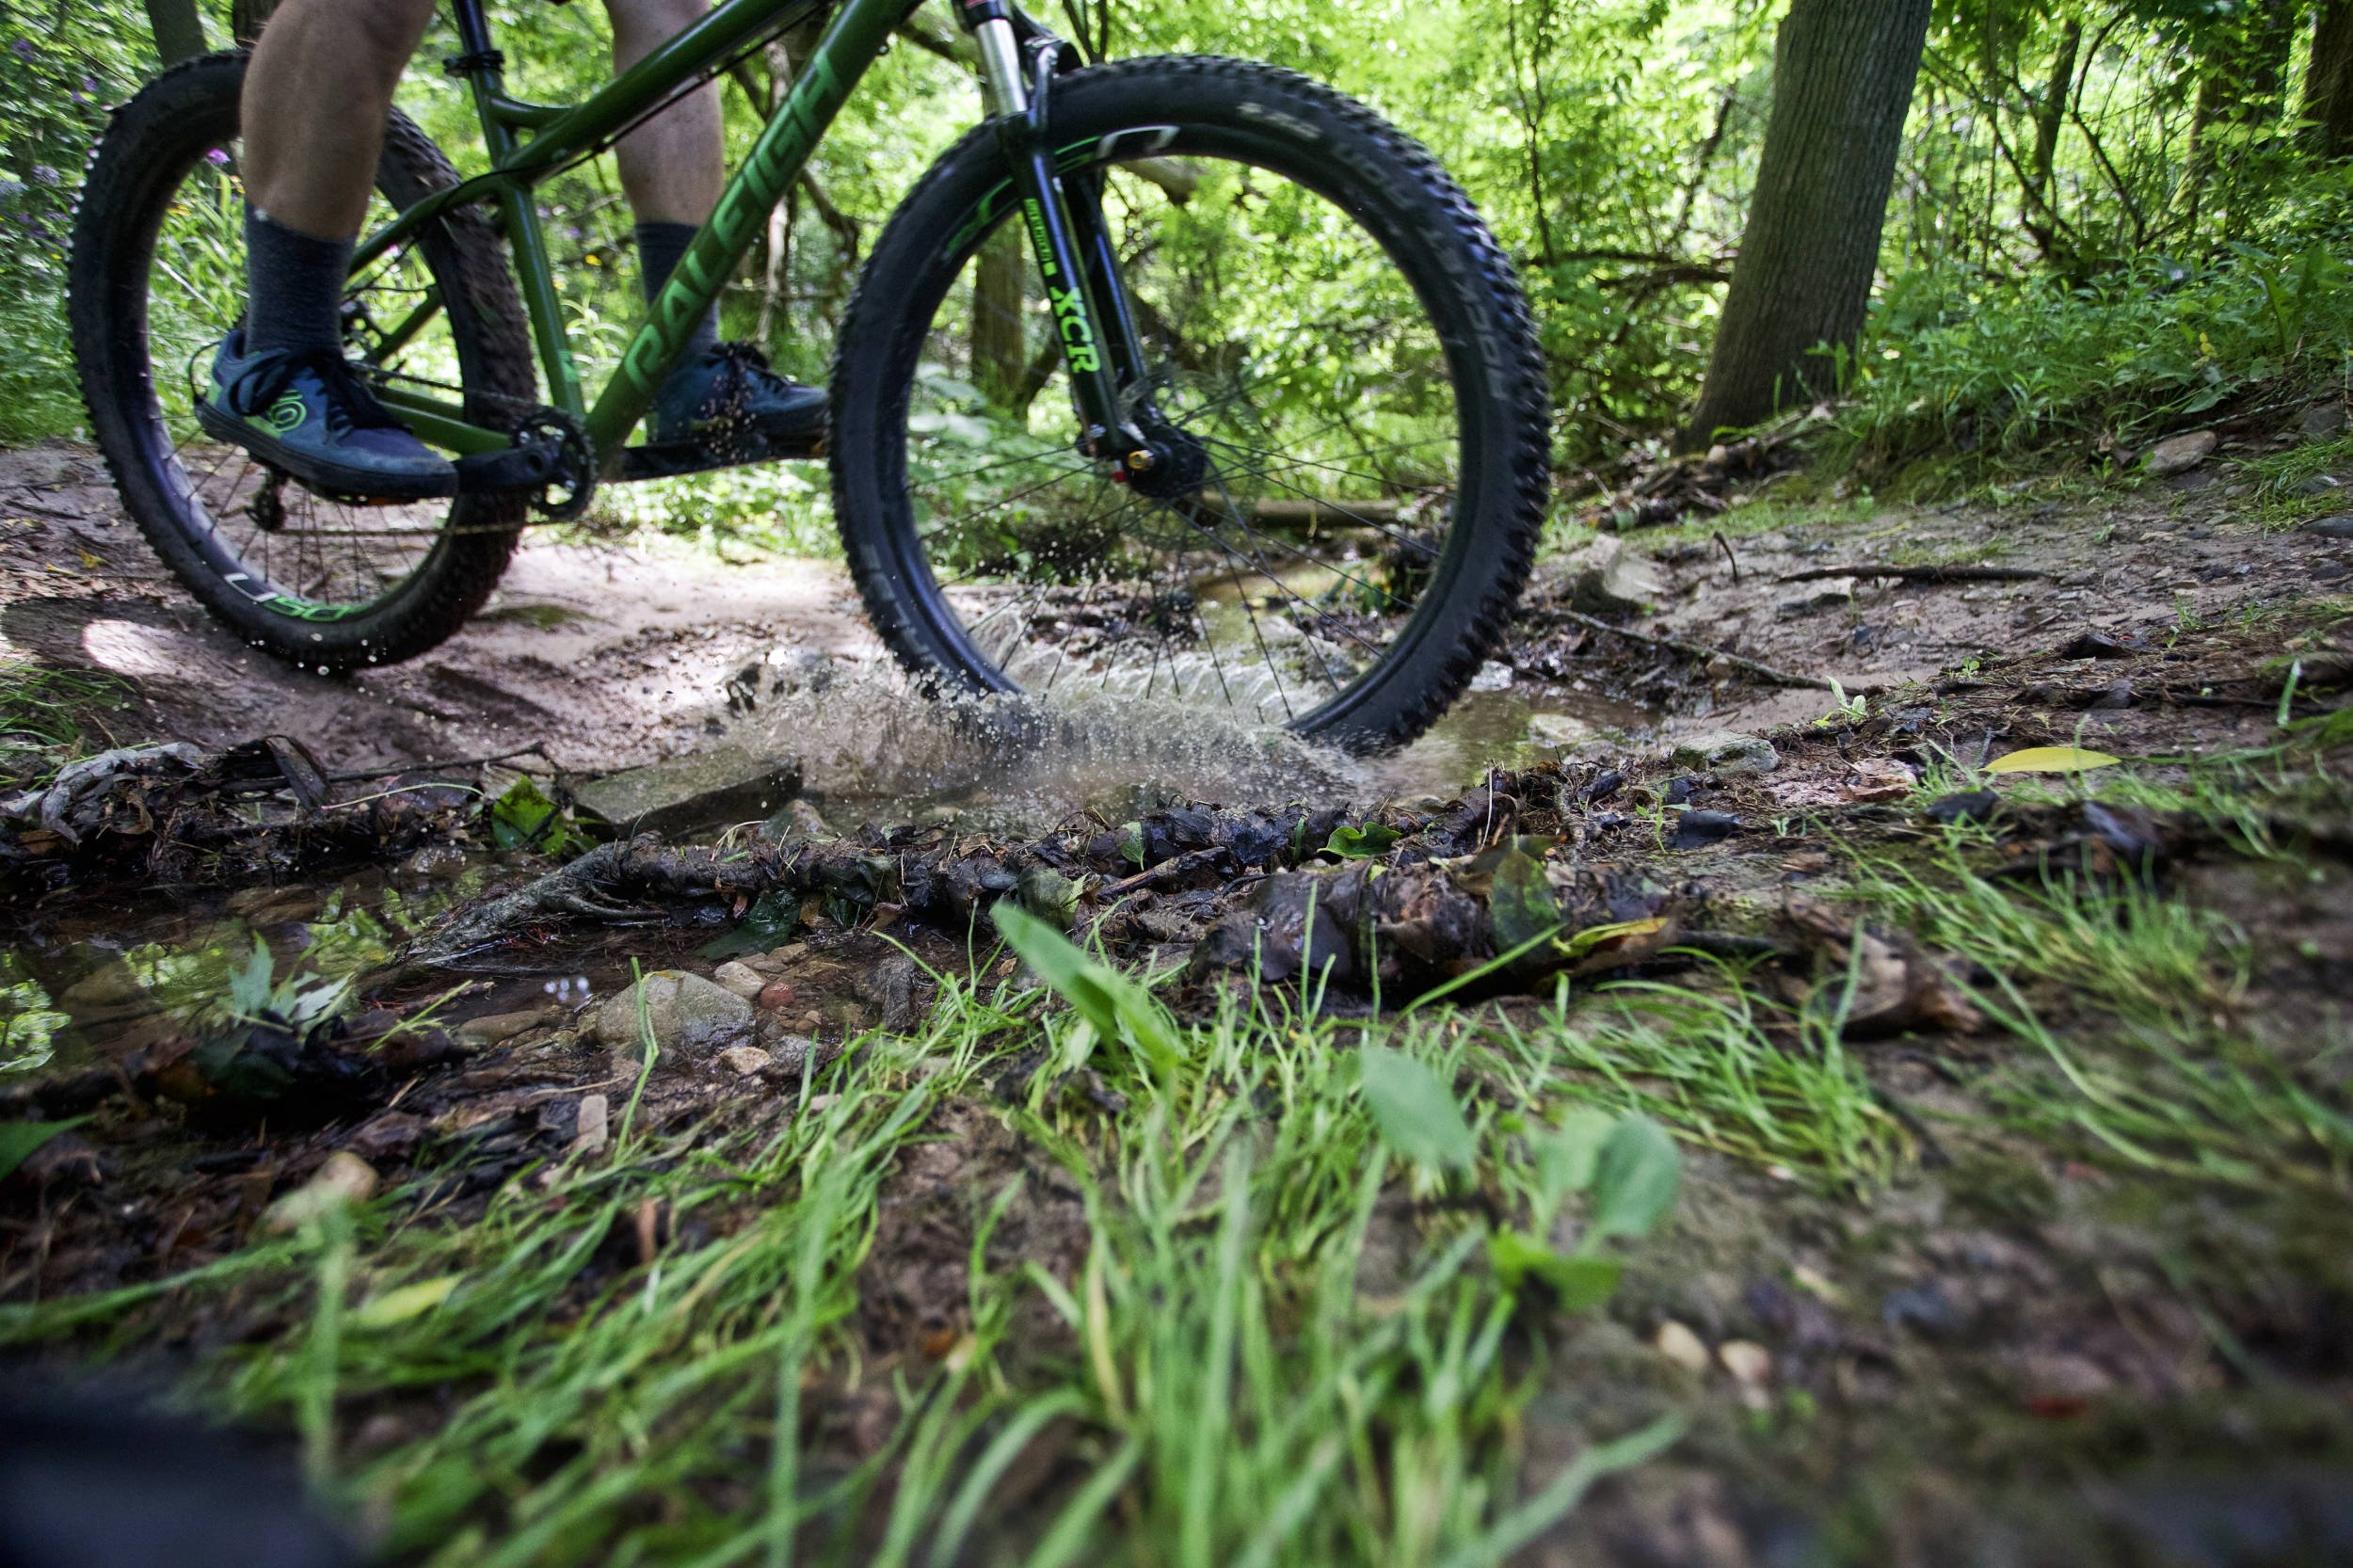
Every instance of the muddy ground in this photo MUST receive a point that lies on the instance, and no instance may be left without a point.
(2014, 1349)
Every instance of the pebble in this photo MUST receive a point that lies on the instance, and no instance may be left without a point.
(2337, 527)
(493, 1029)
(1727, 751)
(345, 1178)
(1679, 1345)
(592, 1134)
(1555, 731)
(775, 994)
(1752, 1367)
(740, 978)
(744, 1060)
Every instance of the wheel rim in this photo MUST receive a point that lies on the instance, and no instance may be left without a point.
(1292, 345)
(289, 551)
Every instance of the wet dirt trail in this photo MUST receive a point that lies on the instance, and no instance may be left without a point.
(1927, 1299)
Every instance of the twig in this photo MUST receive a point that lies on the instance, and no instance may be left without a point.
(1729, 556)
(537, 748)
(1695, 650)
(1921, 574)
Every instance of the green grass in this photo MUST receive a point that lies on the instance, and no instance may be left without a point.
(1283, 1343)
(51, 709)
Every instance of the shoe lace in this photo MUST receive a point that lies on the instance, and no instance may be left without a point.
(744, 364)
(350, 404)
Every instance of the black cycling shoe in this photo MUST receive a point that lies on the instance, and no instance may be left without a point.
(727, 394)
(312, 415)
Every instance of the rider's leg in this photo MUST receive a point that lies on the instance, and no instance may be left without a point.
(315, 96)
(672, 170)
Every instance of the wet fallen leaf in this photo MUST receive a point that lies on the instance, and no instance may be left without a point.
(2052, 759)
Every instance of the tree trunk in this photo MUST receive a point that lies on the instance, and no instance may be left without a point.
(2328, 82)
(998, 354)
(246, 18)
(178, 31)
(1843, 75)
(2050, 114)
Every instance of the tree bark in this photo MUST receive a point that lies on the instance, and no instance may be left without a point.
(1843, 76)
(246, 18)
(1000, 354)
(178, 31)
(2328, 82)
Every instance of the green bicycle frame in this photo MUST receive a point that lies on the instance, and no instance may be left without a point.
(559, 136)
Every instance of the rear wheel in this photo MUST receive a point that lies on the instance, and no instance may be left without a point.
(157, 280)
(1337, 350)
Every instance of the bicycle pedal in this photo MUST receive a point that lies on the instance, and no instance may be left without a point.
(700, 455)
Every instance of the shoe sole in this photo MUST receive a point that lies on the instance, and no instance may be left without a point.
(336, 481)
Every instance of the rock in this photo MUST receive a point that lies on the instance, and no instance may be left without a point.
(690, 1017)
(1825, 598)
(1679, 1345)
(1694, 828)
(2322, 422)
(2319, 484)
(1972, 806)
(790, 1052)
(727, 784)
(1557, 731)
(1607, 579)
(2337, 527)
(799, 819)
(1492, 677)
(345, 1178)
(2180, 453)
(891, 986)
(1752, 1367)
(2117, 695)
(774, 995)
(744, 1060)
(738, 977)
(593, 1131)
(1727, 751)
(393, 1135)
(2100, 645)
(791, 952)
(495, 1028)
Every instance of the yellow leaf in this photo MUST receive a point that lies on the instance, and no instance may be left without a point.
(92, 562)
(2052, 759)
(409, 1301)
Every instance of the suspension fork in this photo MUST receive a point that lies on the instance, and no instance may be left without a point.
(1064, 222)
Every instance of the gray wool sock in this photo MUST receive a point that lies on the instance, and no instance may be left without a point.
(660, 249)
(293, 287)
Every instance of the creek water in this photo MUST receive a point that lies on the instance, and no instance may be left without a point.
(86, 980)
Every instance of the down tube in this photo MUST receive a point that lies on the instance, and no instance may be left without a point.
(833, 70)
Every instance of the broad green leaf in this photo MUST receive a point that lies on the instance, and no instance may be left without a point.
(1117, 1007)
(1049, 895)
(1634, 1178)
(1132, 843)
(18, 1139)
(2052, 759)
(1414, 1109)
(1520, 902)
(409, 1301)
(1579, 1283)
(1362, 843)
(768, 922)
(525, 818)
(1565, 1157)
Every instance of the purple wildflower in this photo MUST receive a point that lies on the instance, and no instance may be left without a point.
(23, 48)
(217, 158)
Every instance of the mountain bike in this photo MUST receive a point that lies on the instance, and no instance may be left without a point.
(1258, 425)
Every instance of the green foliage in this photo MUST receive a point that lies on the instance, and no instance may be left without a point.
(1114, 1006)
(1415, 1109)
(2007, 366)
(19, 1140)
(768, 922)
(1368, 842)
(524, 818)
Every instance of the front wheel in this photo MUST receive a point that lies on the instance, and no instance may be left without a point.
(1331, 337)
